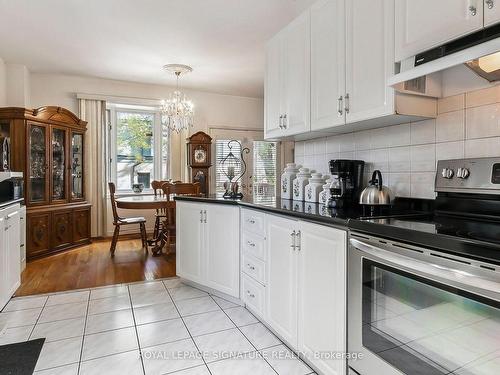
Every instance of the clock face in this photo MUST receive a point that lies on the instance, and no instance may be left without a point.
(200, 155)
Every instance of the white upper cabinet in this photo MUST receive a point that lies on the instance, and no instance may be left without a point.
(287, 83)
(327, 63)
(369, 59)
(424, 24)
(491, 12)
(297, 82)
(273, 88)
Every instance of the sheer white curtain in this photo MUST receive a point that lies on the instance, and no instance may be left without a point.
(94, 112)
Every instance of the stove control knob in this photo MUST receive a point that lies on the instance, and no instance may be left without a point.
(447, 173)
(463, 173)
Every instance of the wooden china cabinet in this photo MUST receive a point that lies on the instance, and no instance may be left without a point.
(48, 146)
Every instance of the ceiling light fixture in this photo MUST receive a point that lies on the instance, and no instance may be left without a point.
(177, 111)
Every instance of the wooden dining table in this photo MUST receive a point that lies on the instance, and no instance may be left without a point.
(148, 202)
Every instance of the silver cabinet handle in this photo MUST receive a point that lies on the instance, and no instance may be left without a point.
(201, 216)
(250, 267)
(292, 246)
(490, 4)
(285, 122)
(251, 244)
(340, 111)
(281, 121)
(205, 219)
(251, 221)
(347, 103)
(473, 10)
(250, 294)
(298, 245)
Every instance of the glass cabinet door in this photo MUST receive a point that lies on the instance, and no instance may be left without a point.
(58, 144)
(77, 166)
(37, 164)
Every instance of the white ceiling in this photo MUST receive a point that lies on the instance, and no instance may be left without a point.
(223, 40)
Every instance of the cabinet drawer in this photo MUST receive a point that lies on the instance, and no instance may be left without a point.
(253, 221)
(253, 245)
(253, 294)
(254, 267)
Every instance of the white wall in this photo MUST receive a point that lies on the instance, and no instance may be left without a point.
(211, 110)
(3, 96)
(17, 86)
(468, 125)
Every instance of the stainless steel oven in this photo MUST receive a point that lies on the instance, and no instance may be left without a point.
(418, 311)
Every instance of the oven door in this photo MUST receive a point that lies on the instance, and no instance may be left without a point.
(416, 311)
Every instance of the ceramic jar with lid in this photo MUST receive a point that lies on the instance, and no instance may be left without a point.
(324, 195)
(299, 184)
(314, 187)
(287, 177)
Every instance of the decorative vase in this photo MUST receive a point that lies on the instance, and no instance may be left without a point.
(313, 188)
(287, 177)
(299, 184)
(137, 188)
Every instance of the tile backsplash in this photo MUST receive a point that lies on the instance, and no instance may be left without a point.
(468, 125)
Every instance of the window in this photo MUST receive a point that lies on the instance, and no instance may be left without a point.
(260, 178)
(264, 169)
(139, 146)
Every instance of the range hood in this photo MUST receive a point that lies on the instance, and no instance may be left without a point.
(480, 51)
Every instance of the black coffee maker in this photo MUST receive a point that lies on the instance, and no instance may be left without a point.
(347, 183)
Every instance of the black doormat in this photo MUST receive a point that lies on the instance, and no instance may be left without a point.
(20, 358)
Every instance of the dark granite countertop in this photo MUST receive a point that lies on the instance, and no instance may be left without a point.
(301, 210)
(414, 224)
(11, 202)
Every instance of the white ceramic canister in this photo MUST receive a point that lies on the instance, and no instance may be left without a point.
(325, 194)
(299, 184)
(287, 177)
(314, 187)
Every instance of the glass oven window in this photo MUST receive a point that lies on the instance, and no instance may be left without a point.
(423, 327)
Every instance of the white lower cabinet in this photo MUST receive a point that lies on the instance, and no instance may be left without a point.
(322, 295)
(10, 255)
(281, 299)
(306, 289)
(208, 245)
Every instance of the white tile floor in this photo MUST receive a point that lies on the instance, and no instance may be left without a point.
(150, 328)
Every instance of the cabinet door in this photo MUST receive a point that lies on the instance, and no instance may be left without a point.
(297, 78)
(369, 59)
(37, 228)
(189, 240)
(281, 290)
(322, 295)
(38, 165)
(81, 225)
(62, 229)
(273, 88)
(424, 24)
(13, 249)
(327, 63)
(76, 178)
(491, 12)
(222, 250)
(4, 277)
(59, 164)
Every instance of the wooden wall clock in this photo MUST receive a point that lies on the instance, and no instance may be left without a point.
(199, 159)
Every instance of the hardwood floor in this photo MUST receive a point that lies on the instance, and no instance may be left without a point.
(91, 266)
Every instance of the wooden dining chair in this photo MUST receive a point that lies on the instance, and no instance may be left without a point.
(160, 213)
(170, 190)
(118, 221)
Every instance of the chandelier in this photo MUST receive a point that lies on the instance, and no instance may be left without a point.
(177, 111)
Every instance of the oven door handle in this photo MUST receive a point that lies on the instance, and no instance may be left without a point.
(433, 269)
